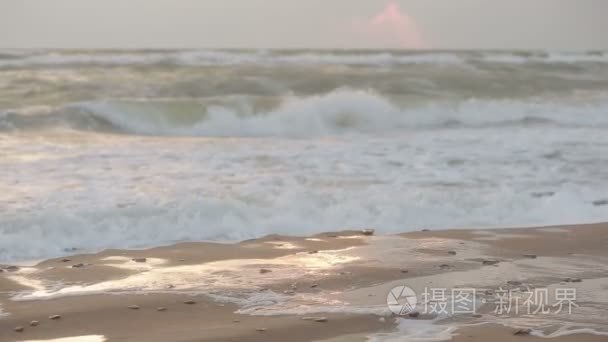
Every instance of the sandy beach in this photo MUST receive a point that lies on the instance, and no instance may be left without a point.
(326, 287)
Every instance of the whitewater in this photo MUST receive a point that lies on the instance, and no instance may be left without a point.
(130, 149)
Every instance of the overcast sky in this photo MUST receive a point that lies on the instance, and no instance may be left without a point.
(505, 24)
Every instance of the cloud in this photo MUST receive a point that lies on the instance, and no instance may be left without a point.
(391, 28)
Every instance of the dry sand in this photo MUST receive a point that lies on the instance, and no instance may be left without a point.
(343, 277)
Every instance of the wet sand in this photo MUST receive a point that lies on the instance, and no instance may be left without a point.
(343, 277)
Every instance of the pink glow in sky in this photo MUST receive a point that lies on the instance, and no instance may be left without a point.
(392, 27)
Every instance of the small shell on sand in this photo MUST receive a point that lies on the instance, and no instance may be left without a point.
(19, 329)
(261, 329)
(161, 308)
(55, 317)
(189, 302)
(133, 307)
(34, 323)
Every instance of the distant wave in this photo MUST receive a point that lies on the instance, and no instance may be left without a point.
(271, 57)
(342, 111)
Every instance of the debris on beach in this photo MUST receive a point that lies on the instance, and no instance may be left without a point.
(54, 317)
(34, 323)
(19, 329)
(133, 307)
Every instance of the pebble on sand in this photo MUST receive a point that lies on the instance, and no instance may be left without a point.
(368, 232)
(189, 302)
(600, 202)
(452, 252)
(19, 329)
(34, 323)
(161, 308)
(522, 332)
(55, 317)
(261, 329)
(133, 307)
(139, 259)
(316, 319)
(264, 271)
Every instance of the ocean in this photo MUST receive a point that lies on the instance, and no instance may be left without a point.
(129, 149)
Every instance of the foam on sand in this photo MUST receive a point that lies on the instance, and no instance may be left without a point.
(84, 338)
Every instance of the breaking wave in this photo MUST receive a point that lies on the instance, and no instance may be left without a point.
(339, 112)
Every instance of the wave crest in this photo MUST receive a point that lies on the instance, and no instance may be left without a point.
(342, 111)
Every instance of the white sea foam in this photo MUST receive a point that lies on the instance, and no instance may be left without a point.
(96, 191)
